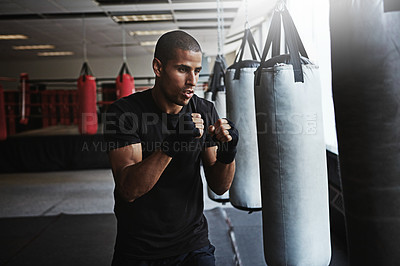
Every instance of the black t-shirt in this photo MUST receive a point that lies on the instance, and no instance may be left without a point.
(168, 220)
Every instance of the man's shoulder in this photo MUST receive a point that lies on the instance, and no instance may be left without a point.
(206, 109)
(132, 101)
(202, 104)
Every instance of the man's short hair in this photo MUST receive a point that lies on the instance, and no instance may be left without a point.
(168, 42)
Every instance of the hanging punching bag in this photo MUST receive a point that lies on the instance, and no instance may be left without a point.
(365, 45)
(3, 122)
(87, 116)
(208, 96)
(217, 86)
(124, 83)
(292, 153)
(245, 191)
(217, 93)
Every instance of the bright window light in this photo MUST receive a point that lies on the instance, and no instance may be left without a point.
(55, 53)
(34, 47)
(12, 37)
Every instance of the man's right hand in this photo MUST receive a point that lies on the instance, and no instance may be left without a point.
(189, 127)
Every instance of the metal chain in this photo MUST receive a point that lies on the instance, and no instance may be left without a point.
(220, 21)
(123, 43)
(246, 13)
(84, 40)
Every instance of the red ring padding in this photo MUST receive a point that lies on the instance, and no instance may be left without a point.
(3, 124)
(87, 115)
(125, 83)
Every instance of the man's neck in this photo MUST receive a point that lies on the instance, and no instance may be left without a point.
(162, 103)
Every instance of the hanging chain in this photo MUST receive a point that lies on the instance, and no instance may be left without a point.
(84, 40)
(246, 13)
(123, 43)
(219, 26)
(220, 21)
(222, 26)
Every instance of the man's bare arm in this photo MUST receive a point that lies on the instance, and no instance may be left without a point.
(133, 176)
(219, 165)
(219, 176)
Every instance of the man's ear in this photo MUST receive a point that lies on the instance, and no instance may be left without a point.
(157, 67)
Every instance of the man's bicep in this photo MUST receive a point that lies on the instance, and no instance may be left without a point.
(121, 158)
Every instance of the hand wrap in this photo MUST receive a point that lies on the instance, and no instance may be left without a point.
(227, 150)
(185, 131)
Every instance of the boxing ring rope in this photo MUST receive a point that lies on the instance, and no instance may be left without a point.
(52, 102)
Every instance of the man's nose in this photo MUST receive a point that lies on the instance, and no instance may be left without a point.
(191, 78)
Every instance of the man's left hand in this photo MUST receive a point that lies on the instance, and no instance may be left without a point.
(224, 131)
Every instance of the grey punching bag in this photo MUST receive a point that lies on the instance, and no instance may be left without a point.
(245, 191)
(292, 153)
(365, 43)
(217, 93)
(208, 96)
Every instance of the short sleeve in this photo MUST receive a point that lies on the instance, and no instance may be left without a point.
(120, 126)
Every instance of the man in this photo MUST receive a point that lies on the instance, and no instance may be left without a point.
(157, 139)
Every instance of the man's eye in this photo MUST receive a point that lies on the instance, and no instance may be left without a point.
(182, 69)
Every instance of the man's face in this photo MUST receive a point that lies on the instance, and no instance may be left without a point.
(179, 76)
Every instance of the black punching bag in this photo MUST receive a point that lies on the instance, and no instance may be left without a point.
(366, 93)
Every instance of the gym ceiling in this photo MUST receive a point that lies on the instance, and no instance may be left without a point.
(65, 25)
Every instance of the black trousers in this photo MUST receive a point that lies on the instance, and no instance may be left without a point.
(199, 257)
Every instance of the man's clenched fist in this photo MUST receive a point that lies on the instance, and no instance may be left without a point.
(225, 133)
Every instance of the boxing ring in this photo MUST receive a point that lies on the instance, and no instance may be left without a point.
(39, 125)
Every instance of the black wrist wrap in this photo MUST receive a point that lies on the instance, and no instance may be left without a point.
(227, 151)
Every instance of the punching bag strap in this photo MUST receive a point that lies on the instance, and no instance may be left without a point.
(221, 59)
(286, 16)
(217, 80)
(239, 55)
(391, 5)
(125, 69)
(293, 46)
(292, 41)
(85, 70)
(273, 38)
(276, 42)
(253, 46)
(248, 37)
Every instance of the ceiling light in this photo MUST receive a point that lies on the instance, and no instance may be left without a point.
(142, 18)
(34, 47)
(147, 32)
(150, 43)
(12, 37)
(55, 53)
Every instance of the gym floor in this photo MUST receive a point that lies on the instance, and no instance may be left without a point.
(65, 218)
